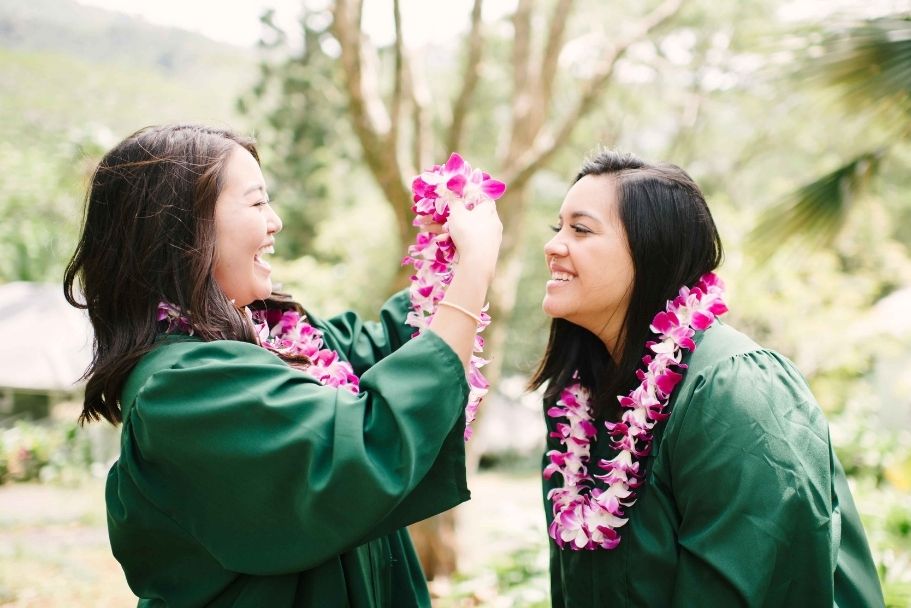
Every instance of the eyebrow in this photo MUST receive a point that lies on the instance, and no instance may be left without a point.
(254, 188)
(578, 214)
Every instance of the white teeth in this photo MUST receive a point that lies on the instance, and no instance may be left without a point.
(258, 257)
(561, 276)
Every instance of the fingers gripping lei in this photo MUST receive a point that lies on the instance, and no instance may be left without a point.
(585, 516)
(434, 255)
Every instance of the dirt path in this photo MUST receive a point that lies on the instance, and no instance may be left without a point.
(54, 549)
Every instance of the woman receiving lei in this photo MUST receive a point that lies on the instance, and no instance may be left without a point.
(268, 457)
(686, 465)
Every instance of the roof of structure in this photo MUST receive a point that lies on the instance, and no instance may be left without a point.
(45, 344)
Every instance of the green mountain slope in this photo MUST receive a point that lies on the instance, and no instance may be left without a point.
(73, 81)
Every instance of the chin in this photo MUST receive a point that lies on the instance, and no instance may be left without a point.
(550, 310)
(265, 292)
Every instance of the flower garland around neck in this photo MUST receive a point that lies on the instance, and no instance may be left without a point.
(585, 516)
(286, 333)
(434, 255)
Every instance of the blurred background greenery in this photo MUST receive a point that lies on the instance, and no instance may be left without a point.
(793, 116)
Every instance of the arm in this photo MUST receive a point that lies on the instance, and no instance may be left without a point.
(751, 478)
(272, 472)
(477, 234)
(363, 343)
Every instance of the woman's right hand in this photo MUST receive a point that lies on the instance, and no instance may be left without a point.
(477, 234)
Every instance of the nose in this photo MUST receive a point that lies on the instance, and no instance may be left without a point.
(273, 221)
(555, 247)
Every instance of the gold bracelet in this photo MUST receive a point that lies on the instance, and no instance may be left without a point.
(462, 310)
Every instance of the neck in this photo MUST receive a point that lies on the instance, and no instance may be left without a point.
(609, 332)
(612, 341)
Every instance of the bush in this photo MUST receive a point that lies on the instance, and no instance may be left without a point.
(45, 452)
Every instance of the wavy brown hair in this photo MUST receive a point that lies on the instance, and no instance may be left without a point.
(672, 240)
(149, 235)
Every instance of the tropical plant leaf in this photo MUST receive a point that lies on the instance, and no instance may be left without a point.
(871, 63)
(816, 211)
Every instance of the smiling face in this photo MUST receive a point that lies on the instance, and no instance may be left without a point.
(245, 228)
(589, 259)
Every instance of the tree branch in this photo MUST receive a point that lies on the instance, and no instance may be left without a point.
(552, 49)
(419, 92)
(546, 144)
(348, 36)
(470, 77)
(521, 78)
(379, 151)
(395, 110)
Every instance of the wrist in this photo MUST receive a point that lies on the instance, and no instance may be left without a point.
(478, 265)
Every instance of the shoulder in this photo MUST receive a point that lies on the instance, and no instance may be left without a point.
(720, 343)
(736, 385)
(189, 353)
(191, 364)
(724, 354)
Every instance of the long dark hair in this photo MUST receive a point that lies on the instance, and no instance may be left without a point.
(672, 240)
(149, 235)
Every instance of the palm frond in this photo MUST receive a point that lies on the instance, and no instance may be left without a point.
(871, 63)
(815, 212)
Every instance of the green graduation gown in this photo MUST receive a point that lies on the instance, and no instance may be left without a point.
(243, 482)
(744, 503)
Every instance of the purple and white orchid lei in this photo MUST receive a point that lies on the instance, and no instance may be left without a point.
(286, 333)
(433, 255)
(585, 516)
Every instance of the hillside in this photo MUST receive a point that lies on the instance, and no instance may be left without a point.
(65, 66)
(74, 80)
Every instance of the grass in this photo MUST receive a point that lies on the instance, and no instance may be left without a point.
(54, 549)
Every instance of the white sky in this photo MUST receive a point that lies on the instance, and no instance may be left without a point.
(423, 19)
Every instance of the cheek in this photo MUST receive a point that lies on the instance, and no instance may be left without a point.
(225, 274)
(235, 241)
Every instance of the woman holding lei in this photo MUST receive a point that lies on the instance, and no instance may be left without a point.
(686, 465)
(268, 457)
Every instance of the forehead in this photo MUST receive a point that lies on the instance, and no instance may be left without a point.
(241, 169)
(595, 195)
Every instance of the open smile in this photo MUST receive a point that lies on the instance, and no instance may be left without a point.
(258, 257)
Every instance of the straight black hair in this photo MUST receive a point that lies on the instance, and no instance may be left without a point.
(672, 241)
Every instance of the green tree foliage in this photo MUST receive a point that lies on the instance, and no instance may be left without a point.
(65, 102)
(297, 99)
(869, 65)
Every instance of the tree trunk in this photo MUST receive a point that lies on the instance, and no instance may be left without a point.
(435, 542)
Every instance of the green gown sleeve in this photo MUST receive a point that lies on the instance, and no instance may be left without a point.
(363, 343)
(752, 479)
(856, 581)
(272, 472)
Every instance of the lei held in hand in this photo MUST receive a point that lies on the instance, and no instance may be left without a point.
(434, 255)
(585, 516)
(287, 333)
